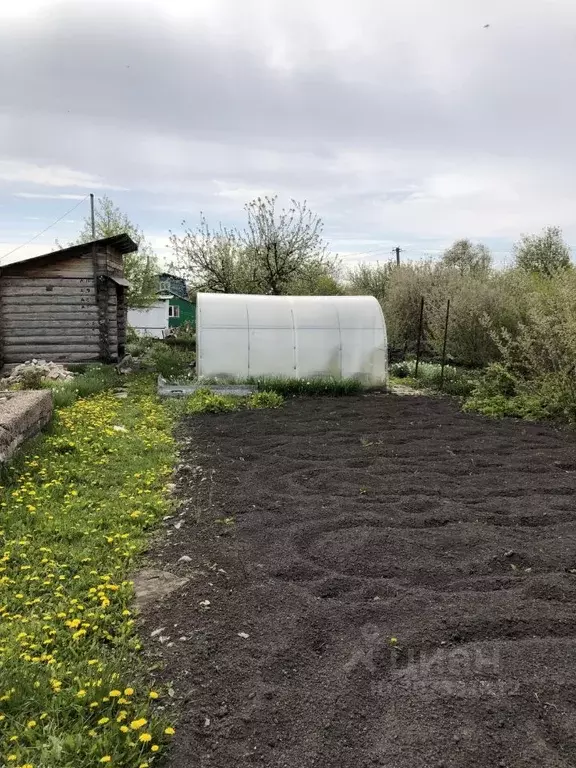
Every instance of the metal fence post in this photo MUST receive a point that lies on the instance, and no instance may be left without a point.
(420, 324)
(444, 345)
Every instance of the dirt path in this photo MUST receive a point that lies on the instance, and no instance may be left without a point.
(396, 590)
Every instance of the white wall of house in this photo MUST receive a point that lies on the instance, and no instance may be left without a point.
(152, 321)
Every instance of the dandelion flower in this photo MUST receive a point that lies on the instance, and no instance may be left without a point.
(114, 694)
(145, 737)
(136, 724)
(128, 691)
(124, 728)
(106, 759)
(103, 720)
(154, 748)
(153, 695)
(169, 731)
(31, 724)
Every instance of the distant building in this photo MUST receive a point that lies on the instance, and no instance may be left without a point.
(66, 306)
(181, 309)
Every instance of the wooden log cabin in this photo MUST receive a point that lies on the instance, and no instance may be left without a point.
(68, 306)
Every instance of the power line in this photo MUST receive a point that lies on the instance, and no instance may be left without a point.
(45, 230)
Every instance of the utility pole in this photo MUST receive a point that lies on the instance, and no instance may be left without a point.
(397, 251)
(92, 219)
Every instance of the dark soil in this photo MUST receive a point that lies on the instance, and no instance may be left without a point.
(406, 577)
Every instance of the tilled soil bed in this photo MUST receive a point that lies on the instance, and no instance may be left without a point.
(390, 583)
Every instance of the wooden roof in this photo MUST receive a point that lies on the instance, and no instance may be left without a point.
(122, 243)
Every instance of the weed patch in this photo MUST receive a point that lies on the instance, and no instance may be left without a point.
(74, 512)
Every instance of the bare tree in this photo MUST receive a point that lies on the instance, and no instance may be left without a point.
(278, 252)
(211, 260)
(282, 245)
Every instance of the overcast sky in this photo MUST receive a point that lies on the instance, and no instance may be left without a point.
(402, 123)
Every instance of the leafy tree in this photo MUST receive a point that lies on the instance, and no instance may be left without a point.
(468, 257)
(140, 268)
(543, 254)
(279, 252)
(370, 279)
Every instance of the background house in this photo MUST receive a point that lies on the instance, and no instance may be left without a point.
(181, 309)
(66, 306)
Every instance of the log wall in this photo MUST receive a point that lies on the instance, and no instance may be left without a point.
(62, 309)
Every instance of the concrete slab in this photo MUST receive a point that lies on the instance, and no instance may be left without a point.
(22, 415)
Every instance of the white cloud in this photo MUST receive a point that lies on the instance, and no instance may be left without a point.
(45, 196)
(405, 124)
(49, 175)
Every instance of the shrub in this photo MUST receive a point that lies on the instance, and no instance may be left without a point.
(265, 400)
(169, 362)
(206, 401)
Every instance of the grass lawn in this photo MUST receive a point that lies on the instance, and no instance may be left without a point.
(74, 510)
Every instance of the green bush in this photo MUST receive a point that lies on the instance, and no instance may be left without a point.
(312, 387)
(206, 401)
(539, 359)
(170, 362)
(265, 400)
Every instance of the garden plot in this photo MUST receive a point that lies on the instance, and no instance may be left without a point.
(374, 581)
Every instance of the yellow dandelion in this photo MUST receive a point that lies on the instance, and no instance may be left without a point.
(128, 691)
(114, 694)
(81, 694)
(136, 724)
(121, 716)
(154, 748)
(31, 724)
(124, 728)
(106, 759)
(169, 731)
(103, 720)
(153, 695)
(145, 737)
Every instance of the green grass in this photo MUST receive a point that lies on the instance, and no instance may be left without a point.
(74, 512)
(315, 387)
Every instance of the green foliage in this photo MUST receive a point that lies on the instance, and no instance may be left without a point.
(543, 254)
(169, 361)
(265, 399)
(457, 381)
(468, 258)
(140, 268)
(311, 387)
(206, 401)
(370, 279)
